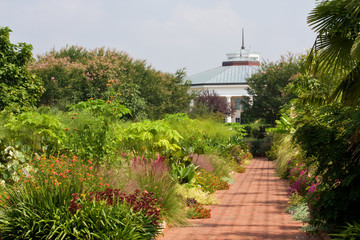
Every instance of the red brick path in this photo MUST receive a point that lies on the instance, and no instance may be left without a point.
(253, 208)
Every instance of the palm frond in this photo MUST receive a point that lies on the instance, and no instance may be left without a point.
(333, 53)
(349, 88)
(355, 49)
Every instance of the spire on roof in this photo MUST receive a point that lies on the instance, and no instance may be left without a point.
(243, 45)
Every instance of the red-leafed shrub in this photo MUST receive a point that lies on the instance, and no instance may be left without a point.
(139, 201)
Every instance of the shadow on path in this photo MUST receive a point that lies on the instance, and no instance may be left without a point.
(253, 208)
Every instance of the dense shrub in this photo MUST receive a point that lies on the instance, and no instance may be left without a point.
(75, 74)
(18, 86)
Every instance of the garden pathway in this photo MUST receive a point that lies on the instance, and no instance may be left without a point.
(253, 208)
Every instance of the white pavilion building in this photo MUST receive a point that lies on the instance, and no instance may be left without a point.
(229, 80)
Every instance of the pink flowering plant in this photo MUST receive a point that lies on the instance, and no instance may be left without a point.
(301, 179)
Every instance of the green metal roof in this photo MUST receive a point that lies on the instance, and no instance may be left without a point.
(224, 75)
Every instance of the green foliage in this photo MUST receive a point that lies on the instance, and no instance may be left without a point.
(284, 125)
(285, 152)
(336, 48)
(348, 232)
(183, 174)
(41, 205)
(326, 132)
(75, 74)
(300, 212)
(222, 166)
(12, 163)
(35, 132)
(135, 215)
(111, 110)
(240, 132)
(201, 136)
(18, 87)
(93, 131)
(295, 199)
(37, 205)
(149, 137)
(88, 136)
(267, 87)
(96, 220)
(329, 149)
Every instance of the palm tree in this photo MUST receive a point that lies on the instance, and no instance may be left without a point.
(337, 46)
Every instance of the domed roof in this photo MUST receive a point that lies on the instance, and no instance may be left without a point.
(240, 65)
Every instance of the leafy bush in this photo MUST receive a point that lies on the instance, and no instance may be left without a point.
(348, 232)
(75, 74)
(295, 199)
(12, 163)
(35, 132)
(300, 212)
(142, 208)
(149, 137)
(200, 136)
(111, 110)
(97, 220)
(91, 129)
(18, 86)
(183, 174)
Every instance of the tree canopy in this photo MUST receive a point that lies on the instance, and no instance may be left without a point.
(75, 74)
(18, 86)
(267, 88)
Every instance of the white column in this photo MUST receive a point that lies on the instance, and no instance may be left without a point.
(228, 118)
(191, 103)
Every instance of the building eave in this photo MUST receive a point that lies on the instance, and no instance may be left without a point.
(217, 84)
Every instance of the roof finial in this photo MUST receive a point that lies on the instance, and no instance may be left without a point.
(243, 45)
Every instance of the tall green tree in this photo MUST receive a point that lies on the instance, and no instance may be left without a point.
(18, 86)
(337, 46)
(267, 88)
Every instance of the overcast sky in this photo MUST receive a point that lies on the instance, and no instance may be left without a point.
(168, 34)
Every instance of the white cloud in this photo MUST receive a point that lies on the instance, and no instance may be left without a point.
(189, 24)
